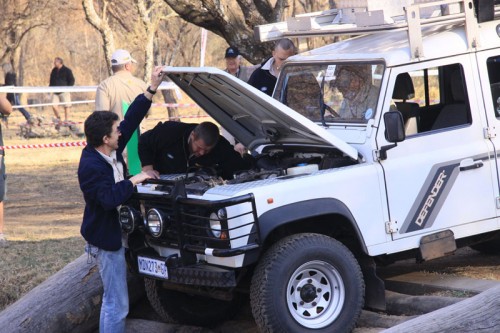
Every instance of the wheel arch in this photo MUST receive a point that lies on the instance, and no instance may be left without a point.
(327, 216)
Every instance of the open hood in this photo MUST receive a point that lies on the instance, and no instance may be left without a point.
(250, 115)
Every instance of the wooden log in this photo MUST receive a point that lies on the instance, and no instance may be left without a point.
(68, 301)
(475, 314)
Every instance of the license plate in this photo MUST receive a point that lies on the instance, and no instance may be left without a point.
(152, 267)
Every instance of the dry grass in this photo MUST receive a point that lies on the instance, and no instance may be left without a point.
(44, 205)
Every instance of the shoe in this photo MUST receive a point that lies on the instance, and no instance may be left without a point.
(3, 241)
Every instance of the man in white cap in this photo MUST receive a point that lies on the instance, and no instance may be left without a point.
(120, 88)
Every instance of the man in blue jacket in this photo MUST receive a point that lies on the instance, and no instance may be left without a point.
(102, 175)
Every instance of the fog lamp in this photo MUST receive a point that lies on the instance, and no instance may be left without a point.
(154, 222)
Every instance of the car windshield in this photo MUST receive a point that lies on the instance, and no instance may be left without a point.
(331, 92)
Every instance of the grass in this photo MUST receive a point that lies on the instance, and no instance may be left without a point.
(44, 205)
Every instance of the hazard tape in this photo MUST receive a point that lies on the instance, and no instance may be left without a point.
(46, 145)
(174, 105)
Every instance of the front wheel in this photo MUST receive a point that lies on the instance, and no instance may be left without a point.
(307, 283)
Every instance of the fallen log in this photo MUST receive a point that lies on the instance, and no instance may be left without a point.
(475, 314)
(68, 301)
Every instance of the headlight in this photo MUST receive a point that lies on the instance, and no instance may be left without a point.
(216, 224)
(154, 222)
(129, 218)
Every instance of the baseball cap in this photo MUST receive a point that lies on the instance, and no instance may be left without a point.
(121, 57)
(232, 52)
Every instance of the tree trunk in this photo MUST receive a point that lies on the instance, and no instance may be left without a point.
(475, 314)
(102, 26)
(68, 301)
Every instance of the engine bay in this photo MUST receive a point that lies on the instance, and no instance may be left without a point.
(272, 163)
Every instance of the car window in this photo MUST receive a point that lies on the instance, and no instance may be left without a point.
(493, 65)
(331, 92)
(432, 99)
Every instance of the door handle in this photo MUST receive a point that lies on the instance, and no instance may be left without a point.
(470, 164)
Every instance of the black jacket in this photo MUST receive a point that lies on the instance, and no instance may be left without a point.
(61, 77)
(263, 80)
(165, 147)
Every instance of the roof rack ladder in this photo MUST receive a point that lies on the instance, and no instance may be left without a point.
(415, 25)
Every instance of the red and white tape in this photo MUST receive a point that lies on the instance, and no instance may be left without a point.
(47, 145)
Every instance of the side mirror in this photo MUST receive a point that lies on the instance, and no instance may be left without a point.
(394, 127)
(394, 132)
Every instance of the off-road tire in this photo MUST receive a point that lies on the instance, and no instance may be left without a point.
(181, 308)
(314, 263)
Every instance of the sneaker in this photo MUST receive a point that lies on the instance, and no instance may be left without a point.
(3, 241)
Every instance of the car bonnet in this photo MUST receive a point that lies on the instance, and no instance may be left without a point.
(248, 114)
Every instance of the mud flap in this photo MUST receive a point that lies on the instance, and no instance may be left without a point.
(374, 286)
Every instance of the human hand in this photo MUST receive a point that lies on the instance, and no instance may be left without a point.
(240, 148)
(156, 77)
(139, 178)
(152, 173)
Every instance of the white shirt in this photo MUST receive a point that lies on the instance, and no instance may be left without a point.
(115, 164)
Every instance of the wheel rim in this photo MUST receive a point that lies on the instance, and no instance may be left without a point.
(315, 294)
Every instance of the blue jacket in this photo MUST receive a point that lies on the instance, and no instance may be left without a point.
(100, 226)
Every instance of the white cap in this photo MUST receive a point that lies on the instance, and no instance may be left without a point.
(121, 57)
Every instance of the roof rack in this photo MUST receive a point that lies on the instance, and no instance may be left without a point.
(360, 17)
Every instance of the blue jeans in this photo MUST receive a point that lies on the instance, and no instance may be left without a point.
(114, 309)
(16, 101)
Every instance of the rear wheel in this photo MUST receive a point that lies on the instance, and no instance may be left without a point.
(307, 283)
(181, 308)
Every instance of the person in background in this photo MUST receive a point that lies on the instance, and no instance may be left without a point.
(360, 95)
(233, 64)
(104, 181)
(264, 78)
(233, 67)
(5, 109)
(11, 80)
(175, 147)
(61, 76)
(122, 87)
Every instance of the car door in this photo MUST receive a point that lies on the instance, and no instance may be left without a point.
(440, 176)
(488, 63)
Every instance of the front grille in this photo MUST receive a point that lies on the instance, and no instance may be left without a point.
(187, 222)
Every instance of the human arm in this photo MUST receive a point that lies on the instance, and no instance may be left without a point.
(140, 177)
(102, 102)
(52, 79)
(231, 160)
(70, 78)
(98, 184)
(5, 106)
(156, 80)
(148, 169)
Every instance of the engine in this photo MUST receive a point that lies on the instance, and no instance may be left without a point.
(270, 164)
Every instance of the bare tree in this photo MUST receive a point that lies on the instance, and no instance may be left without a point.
(101, 24)
(235, 22)
(151, 13)
(236, 27)
(18, 19)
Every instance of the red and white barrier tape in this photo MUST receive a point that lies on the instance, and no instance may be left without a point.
(46, 145)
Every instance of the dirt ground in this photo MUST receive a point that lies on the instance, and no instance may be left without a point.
(44, 209)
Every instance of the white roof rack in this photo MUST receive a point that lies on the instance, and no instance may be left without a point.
(360, 17)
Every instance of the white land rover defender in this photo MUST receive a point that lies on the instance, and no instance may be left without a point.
(376, 148)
